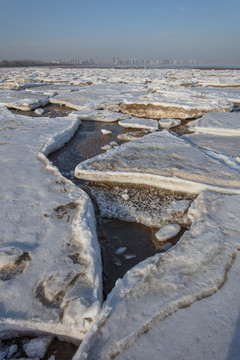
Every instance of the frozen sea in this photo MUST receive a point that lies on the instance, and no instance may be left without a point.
(155, 148)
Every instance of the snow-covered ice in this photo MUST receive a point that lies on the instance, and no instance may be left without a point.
(175, 103)
(50, 266)
(22, 100)
(99, 115)
(169, 123)
(218, 123)
(164, 160)
(139, 123)
(167, 232)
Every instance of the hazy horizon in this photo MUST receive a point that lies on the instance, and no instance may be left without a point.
(203, 30)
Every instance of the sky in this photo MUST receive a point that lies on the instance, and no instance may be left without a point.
(205, 30)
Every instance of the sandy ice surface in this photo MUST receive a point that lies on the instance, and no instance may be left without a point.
(50, 267)
(164, 160)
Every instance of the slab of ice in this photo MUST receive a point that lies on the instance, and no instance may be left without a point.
(133, 135)
(139, 123)
(50, 263)
(22, 100)
(147, 206)
(193, 276)
(169, 123)
(106, 132)
(97, 96)
(163, 160)
(175, 103)
(218, 123)
(219, 144)
(167, 232)
(99, 115)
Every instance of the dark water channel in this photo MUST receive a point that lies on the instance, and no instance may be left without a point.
(123, 244)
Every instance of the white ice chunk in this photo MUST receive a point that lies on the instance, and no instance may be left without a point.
(39, 111)
(106, 132)
(22, 100)
(37, 347)
(139, 123)
(120, 250)
(99, 115)
(169, 123)
(218, 123)
(167, 232)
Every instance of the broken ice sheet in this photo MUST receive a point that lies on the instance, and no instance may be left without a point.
(49, 255)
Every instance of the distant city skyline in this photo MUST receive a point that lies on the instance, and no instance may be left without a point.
(204, 30)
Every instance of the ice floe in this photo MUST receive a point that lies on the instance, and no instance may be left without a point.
(99, 115)
(163, 160)
(167, 232)
(151, 295)
(22, 100)
(139, 123)
(50, 264)
(218, 123)
(169, 123)
(148, 206)
(175, 103)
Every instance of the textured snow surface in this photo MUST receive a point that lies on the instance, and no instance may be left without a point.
(148, 206)
(227, 124)
(163, 160)
(50, 267)
(150, 294)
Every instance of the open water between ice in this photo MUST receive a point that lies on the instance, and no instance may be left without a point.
(123, 243)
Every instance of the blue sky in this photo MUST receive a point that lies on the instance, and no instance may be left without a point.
(102, 29)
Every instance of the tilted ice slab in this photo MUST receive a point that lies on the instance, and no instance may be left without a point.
(175, 103)
(50, 265)
(99, 115)
(139, 123)
(22, 100)
(149, 206)
(163, 160)
(218, 123)
(152, 292)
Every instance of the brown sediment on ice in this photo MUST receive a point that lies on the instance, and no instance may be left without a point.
(158, 112)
